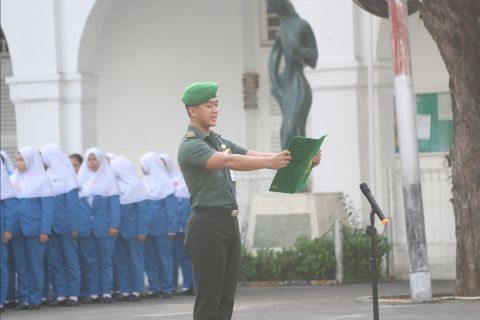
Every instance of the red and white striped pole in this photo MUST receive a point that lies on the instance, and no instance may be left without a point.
(420, 282)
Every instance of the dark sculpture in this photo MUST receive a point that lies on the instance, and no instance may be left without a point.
(296, 44)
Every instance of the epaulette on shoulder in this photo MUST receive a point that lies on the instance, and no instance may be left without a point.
(191, 134)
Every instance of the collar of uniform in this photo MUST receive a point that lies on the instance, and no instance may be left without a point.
(201, 135)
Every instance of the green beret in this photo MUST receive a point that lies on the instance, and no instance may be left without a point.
(199, 92)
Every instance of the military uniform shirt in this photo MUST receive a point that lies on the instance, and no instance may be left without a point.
(207, 187)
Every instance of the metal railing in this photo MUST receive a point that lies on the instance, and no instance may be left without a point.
(439, 221)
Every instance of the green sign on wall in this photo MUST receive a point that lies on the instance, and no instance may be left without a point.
(434, 122)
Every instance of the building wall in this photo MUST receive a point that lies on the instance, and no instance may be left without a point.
(148, 52)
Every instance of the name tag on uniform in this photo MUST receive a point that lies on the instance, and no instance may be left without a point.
(232, 175)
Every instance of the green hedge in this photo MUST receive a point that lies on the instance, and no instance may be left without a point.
(314, 259)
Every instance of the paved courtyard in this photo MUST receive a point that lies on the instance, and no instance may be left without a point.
(277, 303)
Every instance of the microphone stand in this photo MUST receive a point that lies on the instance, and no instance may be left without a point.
(372, 232)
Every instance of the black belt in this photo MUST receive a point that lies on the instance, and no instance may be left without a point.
(219, 210)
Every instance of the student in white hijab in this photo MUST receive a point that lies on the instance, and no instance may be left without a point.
(7, 162)
(162, 224)
(32, 225)
(10, 297)
(128, 257)
(62, 247)
(179, 253)
(98, 226)
(7, 207)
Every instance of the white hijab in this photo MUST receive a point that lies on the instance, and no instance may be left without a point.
(131, 187)
(59, 169)
(157, 181)
(181, 190)
(7, 190)
(34, 182)
(101, 182)
(8, 162)
(110, 156)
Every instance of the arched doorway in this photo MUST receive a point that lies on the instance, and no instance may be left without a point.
(8, 123)
(143, 55)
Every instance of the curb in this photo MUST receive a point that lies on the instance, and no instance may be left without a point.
(264, 284)
(405, 300)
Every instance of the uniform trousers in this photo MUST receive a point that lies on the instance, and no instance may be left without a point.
(97, 261)
(129, 266)
(29, 264)
(63, 263)
(213, 244)
(180, 258)
(12, 281)
(158, 263)
(3, 272)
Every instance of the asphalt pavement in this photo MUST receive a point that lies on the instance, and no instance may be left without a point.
(278, 303)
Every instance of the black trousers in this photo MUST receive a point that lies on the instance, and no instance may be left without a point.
(213, 243)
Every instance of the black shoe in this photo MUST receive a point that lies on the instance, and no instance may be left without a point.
(91, 300)
(118, 296)
(2, 308)
(56, 303)
(71, 303)
(34, 306)
(152, 295)
(20, 306)
(106, 300)
(133, 297)
(9, 305)
(188, 292)
(167, 295)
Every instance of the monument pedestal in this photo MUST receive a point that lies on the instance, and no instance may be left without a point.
(277, 220)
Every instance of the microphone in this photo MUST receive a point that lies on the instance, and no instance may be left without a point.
(376, 209)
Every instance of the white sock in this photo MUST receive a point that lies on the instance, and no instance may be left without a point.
(106, 295)
(61, 298)
(74, 298)
(94, 296)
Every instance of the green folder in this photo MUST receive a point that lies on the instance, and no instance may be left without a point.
(293, 177)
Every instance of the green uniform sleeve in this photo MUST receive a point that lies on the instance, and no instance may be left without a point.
(236, 149)
(195, 152)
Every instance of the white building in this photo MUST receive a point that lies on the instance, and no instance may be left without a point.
(110, 73)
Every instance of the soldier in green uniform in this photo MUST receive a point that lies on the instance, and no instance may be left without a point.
(212, 238)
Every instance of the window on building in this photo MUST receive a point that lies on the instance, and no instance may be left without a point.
(269, 24)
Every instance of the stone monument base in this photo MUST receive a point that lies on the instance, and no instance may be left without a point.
(277, 220)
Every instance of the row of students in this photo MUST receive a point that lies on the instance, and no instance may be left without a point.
(90, 224)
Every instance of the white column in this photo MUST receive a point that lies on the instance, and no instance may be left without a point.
(56, 109)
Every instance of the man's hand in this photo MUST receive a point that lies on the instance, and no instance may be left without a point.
(7, 236)
(113, 232)
(280, 160)
(43, 237)
(141, 237)
(74, 235)
(316, 160)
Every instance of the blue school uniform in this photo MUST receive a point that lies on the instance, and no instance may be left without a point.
(161, 219)
(128, 257)
(62, 249)
(32, 217)
(96, 247)
(7, 206)
(180, 256)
